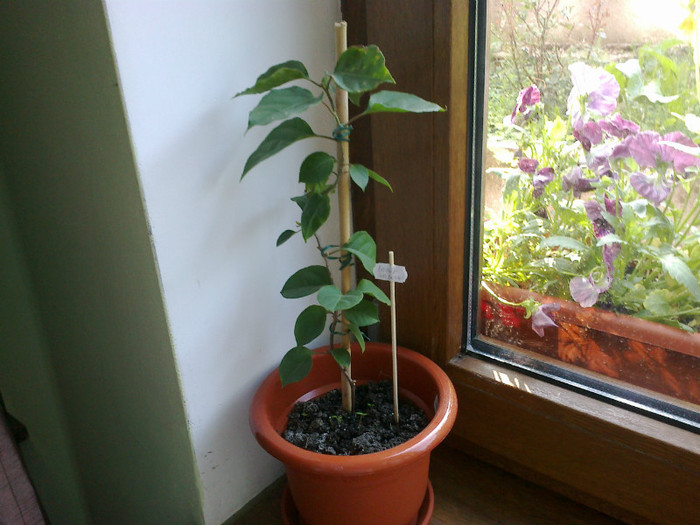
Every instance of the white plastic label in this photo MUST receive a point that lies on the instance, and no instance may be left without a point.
(388, 272)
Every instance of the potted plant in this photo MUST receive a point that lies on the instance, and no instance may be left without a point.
(388, 487)
(596, 244)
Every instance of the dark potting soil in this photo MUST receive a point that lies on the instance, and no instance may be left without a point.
(321, 425)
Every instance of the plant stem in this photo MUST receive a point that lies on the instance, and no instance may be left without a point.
(498, 297)
(325, 257)
(689, 196)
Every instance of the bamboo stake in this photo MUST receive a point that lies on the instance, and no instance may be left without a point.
(392, 296)
(341, 102)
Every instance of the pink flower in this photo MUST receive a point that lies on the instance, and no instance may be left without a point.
(589, 134)
(601, 228)
(542, 319)
(616, 126)
(595, 88)
(622, 150)
(583, 291)
(528, 165)
(652, 188)
(680, 159)
(613, 207)
(598, 160)
(574, 180)
(527, 98)
(541, 179)
(645, 149)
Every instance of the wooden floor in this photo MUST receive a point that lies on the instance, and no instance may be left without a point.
(467, 492)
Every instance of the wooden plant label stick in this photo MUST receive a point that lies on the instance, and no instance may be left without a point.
(392, 293)
(394, 274)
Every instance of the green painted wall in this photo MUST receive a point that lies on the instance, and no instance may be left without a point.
(97, 359)
(28, 384)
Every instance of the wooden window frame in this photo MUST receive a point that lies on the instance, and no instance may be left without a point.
(630, 466)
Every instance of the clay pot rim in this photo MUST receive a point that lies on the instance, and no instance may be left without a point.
(424, 442)
(622, 325)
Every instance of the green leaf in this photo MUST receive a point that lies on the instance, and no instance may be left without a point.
(557, 129)
(397, 102)
(315, 213)
(633, 72)
(359, 175)
(680, 272)
(369, 288)
(333, 300)
(279, 104)
(639, 207)
(284, 237)
(692, 122)
(296, 365)
(359, 336)
(361, 69)
(316, 168)
(301, 201)
(610, 238)
(378, 178)
(362, 314)
(690, 150)
(310, 324)
(652, 91)
(276, 76)
(306, 281)
(362, 246)
(657, 304)
(355, 98)
(563, 242)
(279, 138)
(630, 68)
(341, 356)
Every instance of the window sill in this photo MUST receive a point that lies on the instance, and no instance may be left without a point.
(622, 463)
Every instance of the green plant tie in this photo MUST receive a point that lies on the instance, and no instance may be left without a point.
(342, 133)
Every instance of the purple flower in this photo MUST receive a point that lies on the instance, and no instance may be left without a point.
(527, 98)
(602, 228)
(610, 253)
(651, 188)
(595, 87)
(574, 180)
(680, 159)
(616, 126)
(528, 165)
(594, 212)
(622, 150)
(541, 179)
(598, 162)
(645, 149)
(613, 207)
(589, 134)
(583, 291)
(542, 319)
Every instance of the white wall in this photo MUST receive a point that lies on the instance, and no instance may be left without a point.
(179, 64)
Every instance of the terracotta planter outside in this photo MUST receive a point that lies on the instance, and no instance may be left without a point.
(383, 488)
(642, 353)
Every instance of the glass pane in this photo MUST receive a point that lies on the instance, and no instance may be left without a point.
(591, 216)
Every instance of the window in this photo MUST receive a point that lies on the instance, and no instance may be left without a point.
(589, 255)
(569, 440)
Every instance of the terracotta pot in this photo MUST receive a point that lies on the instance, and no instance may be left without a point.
(383, 488)
(642, 353)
